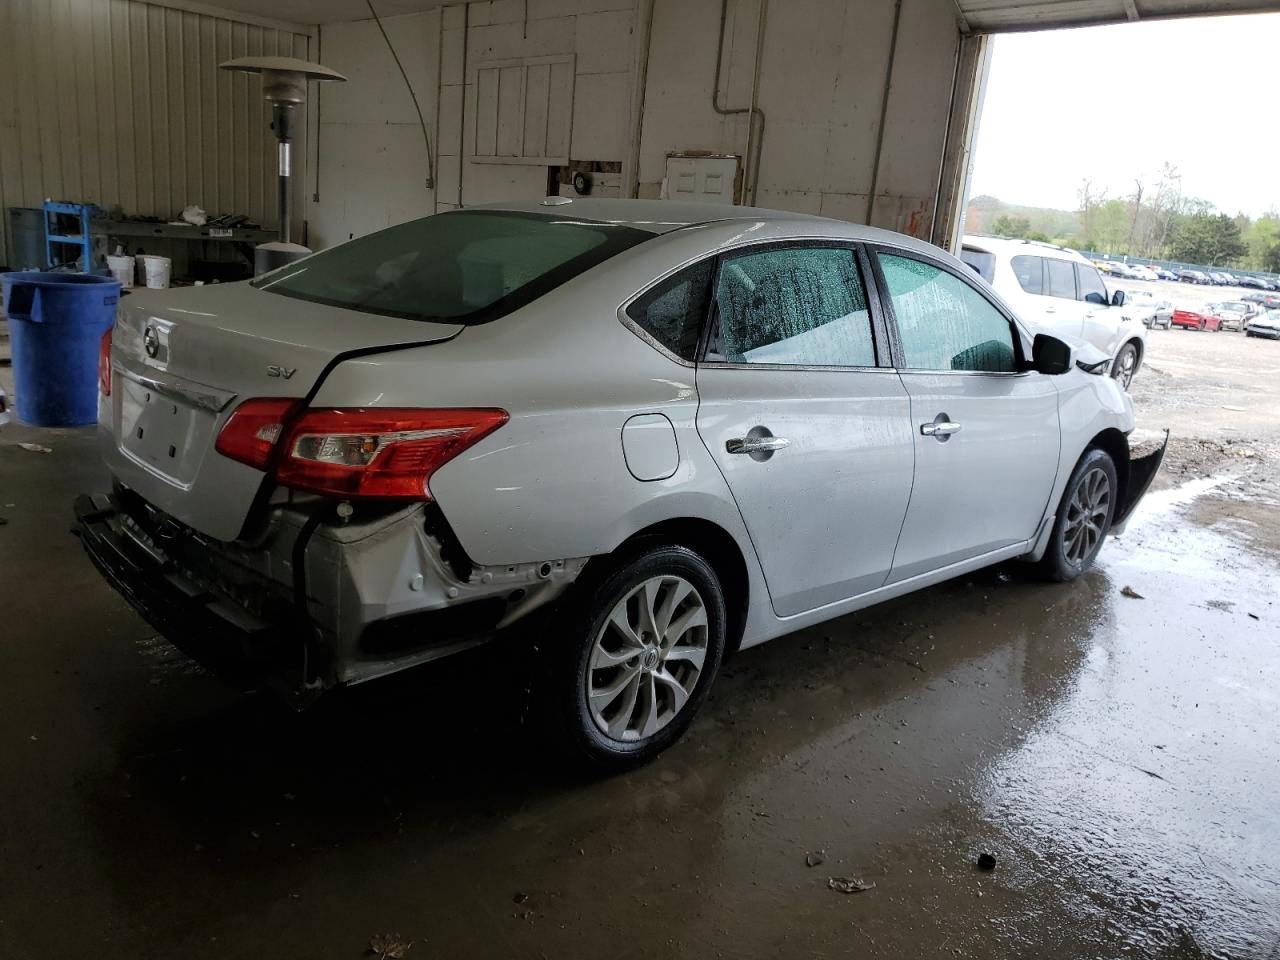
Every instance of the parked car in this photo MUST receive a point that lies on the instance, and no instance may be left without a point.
(1222, 278)
(646, 432)
(1164, 273)
(1138, 271)
(1123, 271)
(1265, 325)
(1103, 265)
(1255, 283)
(1060, 292)
(1257, 298)
(1195, 276)
(1203, 319)
(1153, 312)
(1234, 314)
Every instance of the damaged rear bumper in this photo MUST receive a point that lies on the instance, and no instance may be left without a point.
(312, 603)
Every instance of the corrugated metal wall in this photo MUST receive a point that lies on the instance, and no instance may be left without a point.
(122, 102)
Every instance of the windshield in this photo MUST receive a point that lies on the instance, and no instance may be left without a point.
(469, 266)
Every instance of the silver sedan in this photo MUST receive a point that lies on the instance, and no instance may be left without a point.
(648, 433)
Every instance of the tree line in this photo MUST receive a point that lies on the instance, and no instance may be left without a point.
(1155, 221)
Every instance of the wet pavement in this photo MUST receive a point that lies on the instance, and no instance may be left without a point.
(1119, 757)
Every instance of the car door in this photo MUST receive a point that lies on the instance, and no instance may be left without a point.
(1100, 322)
(806, 420)
(985, 429)
(1051, 293)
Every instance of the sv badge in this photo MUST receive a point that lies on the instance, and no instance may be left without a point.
(275, 370)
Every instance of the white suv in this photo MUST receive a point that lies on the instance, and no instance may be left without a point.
(1060, 292)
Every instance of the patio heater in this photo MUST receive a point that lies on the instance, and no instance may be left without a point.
(284, 86)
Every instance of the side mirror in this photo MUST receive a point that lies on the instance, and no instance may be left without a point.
(1050, 355)
(1117, 298)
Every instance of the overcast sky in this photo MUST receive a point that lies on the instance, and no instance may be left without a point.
(1112, 103)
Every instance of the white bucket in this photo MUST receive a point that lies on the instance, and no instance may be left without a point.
(122, 268)
(155, 269)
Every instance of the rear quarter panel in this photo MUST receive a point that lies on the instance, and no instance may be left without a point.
(553, 482)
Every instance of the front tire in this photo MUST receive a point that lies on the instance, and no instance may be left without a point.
(644, 645)
(1084, 517)
(1125, 365)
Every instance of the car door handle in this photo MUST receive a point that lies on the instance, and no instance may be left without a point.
(755, 444)
(939, 428)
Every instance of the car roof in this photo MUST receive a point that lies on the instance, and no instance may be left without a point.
(1012, 248)
(653, 216)
(667, 216)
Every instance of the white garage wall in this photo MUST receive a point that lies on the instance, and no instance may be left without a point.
(122, 102)
(373, 162)
(822, 86)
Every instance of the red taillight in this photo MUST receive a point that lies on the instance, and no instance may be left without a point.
(104, 363)
(363, 453)
(251, 433)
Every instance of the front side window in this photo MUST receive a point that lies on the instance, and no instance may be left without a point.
(792, 305)
(672, 312)
(983, 263)
(1060, 276)
(1092, 288)
(1030, 273)
(944, 323)
(470, 266)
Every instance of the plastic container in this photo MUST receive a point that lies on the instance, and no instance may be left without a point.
(123, 269)
(56, 323)
(155, 270)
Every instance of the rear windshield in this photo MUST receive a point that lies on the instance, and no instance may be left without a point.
(468, 267)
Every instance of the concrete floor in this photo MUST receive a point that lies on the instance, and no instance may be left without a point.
(1119, 757)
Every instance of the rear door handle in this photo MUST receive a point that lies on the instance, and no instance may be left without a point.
(940, 429)
(755, 444)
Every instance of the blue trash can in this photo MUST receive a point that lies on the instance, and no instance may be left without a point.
(56, 323)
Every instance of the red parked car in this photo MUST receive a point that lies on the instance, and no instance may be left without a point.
(1197, 321)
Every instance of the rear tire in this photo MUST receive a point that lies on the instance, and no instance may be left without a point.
(642, 646)
(1084, 518)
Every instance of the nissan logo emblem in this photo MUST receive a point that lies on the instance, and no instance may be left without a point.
(151, 341)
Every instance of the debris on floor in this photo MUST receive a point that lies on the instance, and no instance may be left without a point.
(1131, 593)
(814, 857)
(848, 884)
(389, 946)
(35, 448)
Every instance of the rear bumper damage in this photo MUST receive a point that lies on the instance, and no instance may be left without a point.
(313, 602)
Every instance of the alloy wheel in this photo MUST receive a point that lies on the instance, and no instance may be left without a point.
(1125, 365)
(647, 658)
(1086, 516)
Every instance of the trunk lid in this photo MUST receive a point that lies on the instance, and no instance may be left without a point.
(182, 360)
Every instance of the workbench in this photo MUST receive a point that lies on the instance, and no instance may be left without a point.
(244, 239)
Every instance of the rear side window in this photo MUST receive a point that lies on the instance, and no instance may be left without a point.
(673, 311)
(792, 305)
(471, 266)
(944, 323)
(1061, 278)
(1030, 273)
